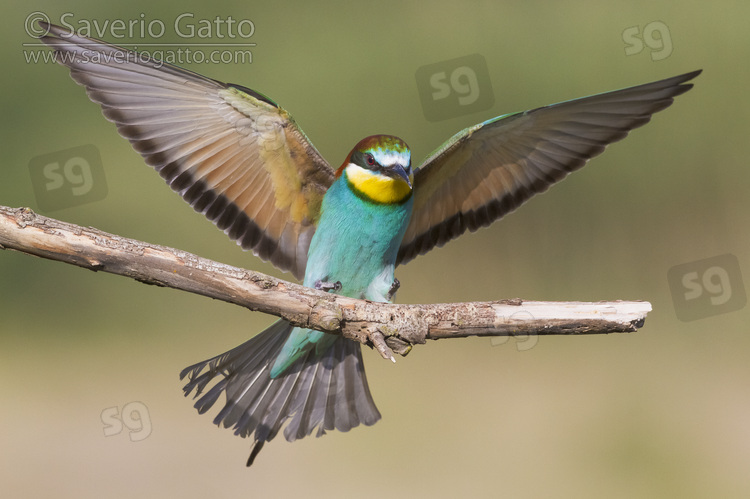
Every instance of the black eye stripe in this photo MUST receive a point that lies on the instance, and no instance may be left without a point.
(361, 158)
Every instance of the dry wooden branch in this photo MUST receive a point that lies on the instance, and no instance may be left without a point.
(388, 327)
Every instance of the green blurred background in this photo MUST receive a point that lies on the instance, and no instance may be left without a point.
(664, 412)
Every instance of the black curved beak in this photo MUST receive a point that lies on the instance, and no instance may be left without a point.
(398, 171)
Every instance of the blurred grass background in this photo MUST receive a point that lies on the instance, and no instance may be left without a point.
(659, 413)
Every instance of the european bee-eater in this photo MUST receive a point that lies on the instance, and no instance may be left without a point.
(241, 160)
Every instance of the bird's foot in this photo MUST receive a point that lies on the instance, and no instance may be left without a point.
(394, 287)
(328, 286)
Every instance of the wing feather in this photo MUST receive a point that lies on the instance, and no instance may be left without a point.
(488, 170)
(229, 151)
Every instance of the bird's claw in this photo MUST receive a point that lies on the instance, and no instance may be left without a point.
(378, 341)
(394, 287)
(328, 286)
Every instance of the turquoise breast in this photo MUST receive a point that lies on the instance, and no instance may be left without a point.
(357, 242)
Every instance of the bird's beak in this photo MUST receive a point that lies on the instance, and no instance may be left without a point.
(398, 171)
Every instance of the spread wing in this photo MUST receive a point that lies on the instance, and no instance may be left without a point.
(232, 153)
(490, 169)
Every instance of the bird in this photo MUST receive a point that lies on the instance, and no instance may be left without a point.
(241, 160)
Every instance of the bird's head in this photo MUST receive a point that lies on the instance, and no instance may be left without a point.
(379, 169)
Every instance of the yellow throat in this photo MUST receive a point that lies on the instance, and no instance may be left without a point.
(379, 188)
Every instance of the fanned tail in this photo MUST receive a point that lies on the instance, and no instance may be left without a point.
(328, 391)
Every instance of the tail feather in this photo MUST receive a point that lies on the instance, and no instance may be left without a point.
(325, 391)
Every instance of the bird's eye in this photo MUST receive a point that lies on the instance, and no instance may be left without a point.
(370, 160)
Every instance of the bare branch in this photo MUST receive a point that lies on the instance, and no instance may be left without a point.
(388, 327)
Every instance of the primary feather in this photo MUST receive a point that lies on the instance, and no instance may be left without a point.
(490, 169)
(231, 152)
